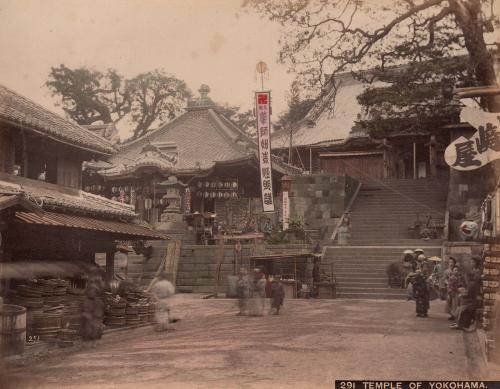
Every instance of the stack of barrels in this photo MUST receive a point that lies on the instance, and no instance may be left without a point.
(114, 313)
(72, 311)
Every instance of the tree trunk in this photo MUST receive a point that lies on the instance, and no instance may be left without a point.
(468, 18)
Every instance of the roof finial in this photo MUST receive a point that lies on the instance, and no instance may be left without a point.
(204, 91)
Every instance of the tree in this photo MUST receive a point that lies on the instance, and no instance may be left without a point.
(297, 108)
(155, 97)
(88, 96)
(244, 120)
(324, 38)
(414, 98)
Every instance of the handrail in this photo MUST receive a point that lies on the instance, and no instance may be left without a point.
(347, 209)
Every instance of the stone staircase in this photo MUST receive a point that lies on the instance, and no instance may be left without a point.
(380, 220)
(360, 272)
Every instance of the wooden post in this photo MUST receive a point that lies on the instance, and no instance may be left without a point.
(110, 265)
(414, 160)
(310, 160)
(433, 156)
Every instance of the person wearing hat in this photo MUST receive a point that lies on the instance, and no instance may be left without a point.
(409, 265)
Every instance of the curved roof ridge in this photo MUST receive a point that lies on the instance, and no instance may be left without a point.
(220, 125)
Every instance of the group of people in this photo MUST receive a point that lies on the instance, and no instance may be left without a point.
(252, 290)
(427, 280)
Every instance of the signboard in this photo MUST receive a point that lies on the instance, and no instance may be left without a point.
(263, 103)
(286, 210)
(481, 148)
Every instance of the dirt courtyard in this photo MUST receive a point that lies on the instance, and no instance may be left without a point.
(309, 345)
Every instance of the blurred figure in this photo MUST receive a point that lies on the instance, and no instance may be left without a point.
(93, 306)
(162, 290)
(468, 298)
(277, 296)
(244, 292)
(259, 293)
(455, 282)
(343, 233)
(452, 262)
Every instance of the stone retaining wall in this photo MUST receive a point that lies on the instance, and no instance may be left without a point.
(197, 269)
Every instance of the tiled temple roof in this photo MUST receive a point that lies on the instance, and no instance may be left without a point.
(23, 112)
(200, 138)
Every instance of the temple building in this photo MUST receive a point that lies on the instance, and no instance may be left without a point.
(201, 157)
(329, 140)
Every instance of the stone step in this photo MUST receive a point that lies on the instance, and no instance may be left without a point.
(371, 296)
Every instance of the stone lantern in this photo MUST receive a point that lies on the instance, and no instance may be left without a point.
(171, 218)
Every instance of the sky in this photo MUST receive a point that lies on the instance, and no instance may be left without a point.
(211, 42)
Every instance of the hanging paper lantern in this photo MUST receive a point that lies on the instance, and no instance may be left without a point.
(148, 203)
(114, 189)
(234, 194)
(207, 184)
(227, 195)
(469, 230)
(87, 188)
(235, 184)
(206, 195)
(220, 195)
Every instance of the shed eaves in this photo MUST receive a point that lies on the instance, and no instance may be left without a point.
(53, 197)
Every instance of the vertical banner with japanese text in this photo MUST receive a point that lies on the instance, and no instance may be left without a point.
(286, 211)
(263, 112)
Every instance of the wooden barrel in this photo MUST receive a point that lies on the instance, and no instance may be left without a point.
(12, 329)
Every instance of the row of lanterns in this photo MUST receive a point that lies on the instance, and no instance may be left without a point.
(217, 184)
(217, 195)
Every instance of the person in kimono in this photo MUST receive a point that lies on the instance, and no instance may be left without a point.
(162, 290)
(259, 293)
(93, 306)
(343, 233)
(244, 292)
(421, 293)
(277, 296)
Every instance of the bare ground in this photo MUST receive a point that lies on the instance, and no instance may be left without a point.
(309, 345)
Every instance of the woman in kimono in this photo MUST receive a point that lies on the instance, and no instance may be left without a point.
(421, 293)
(343, 233)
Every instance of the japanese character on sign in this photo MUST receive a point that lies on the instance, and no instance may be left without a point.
(488, 138)
(266, 185)
(264, 143)
(263, 117)
(264, 131)
(262, 99)
(265, 157)
(466, 155)
(268, 198)
(266, 172)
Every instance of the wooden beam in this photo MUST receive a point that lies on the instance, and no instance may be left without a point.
(477, 91)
